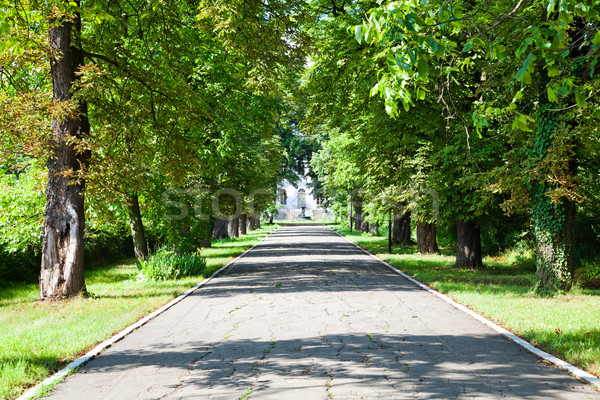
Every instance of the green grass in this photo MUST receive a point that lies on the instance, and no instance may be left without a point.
(39, 338)
(565, 325)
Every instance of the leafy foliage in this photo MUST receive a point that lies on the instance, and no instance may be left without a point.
(165, 265)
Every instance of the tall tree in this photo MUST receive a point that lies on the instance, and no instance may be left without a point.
(62, 248)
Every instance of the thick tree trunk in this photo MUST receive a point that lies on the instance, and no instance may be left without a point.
(374, 229)
(358, 217)
(426, 238)
(401, 227)
(553, 222)
(256, 222)
(233, 227)
(468, 241)
(220, 229)
(364, 225)
(242, 224)
(138, 234)
(62, 245)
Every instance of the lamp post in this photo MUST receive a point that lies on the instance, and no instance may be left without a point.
(351, 212)
(390, 232)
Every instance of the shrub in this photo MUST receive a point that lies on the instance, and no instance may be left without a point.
(589, 275)
(165, 265)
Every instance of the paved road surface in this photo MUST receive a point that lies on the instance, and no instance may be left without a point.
(306, 315)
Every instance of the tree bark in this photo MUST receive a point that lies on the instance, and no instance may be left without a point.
(358, 217)
(242, 224)
(256, 218)
(401, 227)
(374, 229)
(233, 227)
(426, 238)
(364, 225)
(138, 234)
(220, 229)
(62, 245)
(468, 241)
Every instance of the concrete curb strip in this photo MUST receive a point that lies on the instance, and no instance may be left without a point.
(578, 373)
(35, 391)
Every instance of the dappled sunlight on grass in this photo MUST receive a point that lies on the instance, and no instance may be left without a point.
(566, 325)
(43, 337)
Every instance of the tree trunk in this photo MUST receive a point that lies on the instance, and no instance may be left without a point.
(401, 227)
(364, 225)
(468, 241)
(220, 229)
(374, 229)
(271, 216)
(138, 234)
(426, 238)
(552, 222)
(233, 227)
(242, 224)
(256, 222)
(62, 245)
(358, 218)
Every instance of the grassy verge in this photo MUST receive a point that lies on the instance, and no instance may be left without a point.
(566, 325)
(37, 339)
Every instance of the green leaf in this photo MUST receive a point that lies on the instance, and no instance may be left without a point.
(579, 100)
(553, 71)
(552, 96)
(520, 122)
(423, 68)
(522, 72)
(358, 33)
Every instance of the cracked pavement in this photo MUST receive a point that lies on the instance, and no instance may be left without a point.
(306, 315)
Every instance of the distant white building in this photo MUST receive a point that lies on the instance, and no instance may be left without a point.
(298, 202)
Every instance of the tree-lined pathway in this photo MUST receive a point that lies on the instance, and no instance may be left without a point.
(306, 315)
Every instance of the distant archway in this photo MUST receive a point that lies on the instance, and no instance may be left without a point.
(301, 198)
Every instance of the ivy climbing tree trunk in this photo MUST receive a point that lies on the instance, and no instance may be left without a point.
(426, 238)
(138, 233)
(62, 245)
(468, 245)
(553, 222)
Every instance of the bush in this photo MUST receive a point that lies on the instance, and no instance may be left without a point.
(165, 265)
(588, 275)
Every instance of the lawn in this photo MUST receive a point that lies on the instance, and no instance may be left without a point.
(39, 338)
(566, 325)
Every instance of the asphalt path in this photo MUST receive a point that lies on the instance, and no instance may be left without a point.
(306, 315)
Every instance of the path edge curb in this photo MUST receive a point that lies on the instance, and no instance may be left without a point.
(37, 390)
(573, 370)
